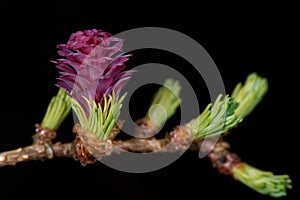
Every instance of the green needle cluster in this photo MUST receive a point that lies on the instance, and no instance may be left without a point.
(249, 94)
(100, 119)
(217, 118)
(58, 109)
(262, 181)
(225, 114)
(164, 104)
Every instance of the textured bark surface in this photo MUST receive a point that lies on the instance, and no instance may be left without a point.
(87, 149)
(35, 152)
(222, 159)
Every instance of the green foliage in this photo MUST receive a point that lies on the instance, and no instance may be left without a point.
(261, 181)
(100, 120)
(249, 94)
(224, 114)
(167, 99)
(58, 109)
(217, 118)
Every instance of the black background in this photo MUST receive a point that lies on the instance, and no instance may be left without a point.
(240, 38)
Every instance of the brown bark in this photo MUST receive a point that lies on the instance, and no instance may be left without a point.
(43, 152)
(35, 152)
(177, 140)
(41, 149)
(63, 150)
(141, 145)
(222, 159)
